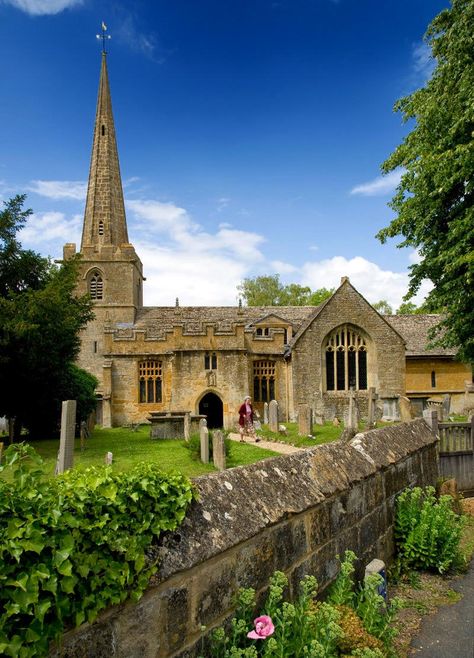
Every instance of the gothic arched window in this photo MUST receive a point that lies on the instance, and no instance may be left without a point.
(345, 351)
(263, 381)
(96, 286)
(149, 381)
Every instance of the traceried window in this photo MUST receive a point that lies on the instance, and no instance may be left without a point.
(345, 351)
(150, 386)
(96, 286)
(210, 361)
(263, 381)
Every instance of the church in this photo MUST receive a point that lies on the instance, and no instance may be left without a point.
(206, 359)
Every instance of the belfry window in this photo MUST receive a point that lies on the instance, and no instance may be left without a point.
(345, 351)
(96, 286)
(263, 381)
(103, 129)
(149, 381)
(101, 228)
(210, 361)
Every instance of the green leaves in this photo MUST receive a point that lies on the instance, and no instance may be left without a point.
(434, 202)
(76, 545)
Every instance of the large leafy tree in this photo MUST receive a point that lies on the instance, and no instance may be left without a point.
(40, 320)
(434, 200)
(270, 291)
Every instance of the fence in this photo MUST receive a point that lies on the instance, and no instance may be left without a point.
(456, 453)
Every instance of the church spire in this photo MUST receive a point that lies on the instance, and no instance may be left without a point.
(104, 218)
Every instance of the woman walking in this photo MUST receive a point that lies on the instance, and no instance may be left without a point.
(246, 418)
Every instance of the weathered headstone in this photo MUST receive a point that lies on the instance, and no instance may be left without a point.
(446, 406)
(273, 416)
(204, 437)
(282, 430)
(187, 425)
(431, 417)
(66, 440)
(371, 412)
(352, 418)
(406, 413)
(218, 450)
(305, 420)
(109, 457)
(336, 422)
(265, 413)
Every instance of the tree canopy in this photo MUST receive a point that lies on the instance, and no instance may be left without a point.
(40, 320)
(270, 291)
(434, 200)
(383, 307)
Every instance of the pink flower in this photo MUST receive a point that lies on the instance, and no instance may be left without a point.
(263, 628)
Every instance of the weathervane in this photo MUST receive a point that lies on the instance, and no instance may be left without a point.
(103, 36)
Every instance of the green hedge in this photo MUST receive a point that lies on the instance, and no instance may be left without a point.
(74, 545)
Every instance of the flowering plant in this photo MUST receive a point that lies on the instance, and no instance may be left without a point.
(263, 628)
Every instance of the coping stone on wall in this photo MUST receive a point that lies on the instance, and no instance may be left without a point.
(237, 504)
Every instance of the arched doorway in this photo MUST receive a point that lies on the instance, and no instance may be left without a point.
(211, 406)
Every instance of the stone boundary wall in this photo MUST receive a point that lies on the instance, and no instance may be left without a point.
(293, 513)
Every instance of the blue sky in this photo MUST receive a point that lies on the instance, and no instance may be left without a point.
(250, 133)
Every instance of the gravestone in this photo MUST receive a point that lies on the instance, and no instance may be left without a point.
(352, 418)
(109, 457)
(377, 566)
(273, 416)
(265, 413)
(446, 406)
(406, 413)
(187, 426)
(336, 422)
(431, 418)
(305, 420)
(371, 413)
(66, 440)
(204, 437)
(218, 450)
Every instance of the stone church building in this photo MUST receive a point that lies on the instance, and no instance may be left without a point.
(206, 359)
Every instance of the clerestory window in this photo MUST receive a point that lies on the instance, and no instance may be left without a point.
(96, 286)
(345, 351)
(150, 381)
(263, 381)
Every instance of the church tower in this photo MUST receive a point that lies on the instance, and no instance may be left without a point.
(110, 270)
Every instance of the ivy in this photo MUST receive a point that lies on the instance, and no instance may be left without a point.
(76, 544)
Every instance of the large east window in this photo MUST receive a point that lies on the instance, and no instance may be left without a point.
(345, 351)
(263, 381)
(150, 382)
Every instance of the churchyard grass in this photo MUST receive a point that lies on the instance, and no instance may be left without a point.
(130, 446)
(322, 434)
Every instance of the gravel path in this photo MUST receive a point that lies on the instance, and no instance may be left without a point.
(282, 448)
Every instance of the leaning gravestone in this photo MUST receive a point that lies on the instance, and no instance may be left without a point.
(371, 414)
(446, 406)
(204, 438)
(273, 416)
(187, 425)
(305, 420)
(218, 450)
(109, 457)
(404, 404)
(265, 413)
(66, 440)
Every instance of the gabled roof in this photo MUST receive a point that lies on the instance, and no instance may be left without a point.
(415, 331)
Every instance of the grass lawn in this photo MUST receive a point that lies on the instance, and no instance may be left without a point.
(322, 434)
(130, 447)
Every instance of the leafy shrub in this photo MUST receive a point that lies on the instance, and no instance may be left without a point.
(427, 531)
(73, 545)
(309, 628)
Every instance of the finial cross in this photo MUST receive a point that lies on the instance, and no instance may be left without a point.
(103, 36)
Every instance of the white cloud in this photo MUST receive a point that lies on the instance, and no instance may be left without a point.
(128, 32)
(59, 189)
(373, 282)
(423, 62)
(43, 7)
(379, 186)
(50, 229)
(280, 267)
(222, 203)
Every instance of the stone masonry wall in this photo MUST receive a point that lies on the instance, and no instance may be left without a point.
(294, 513)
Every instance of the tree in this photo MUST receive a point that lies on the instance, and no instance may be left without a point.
(269, 291)
(434, 199)
(40, 320)
(383, 307)
(407, 308)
